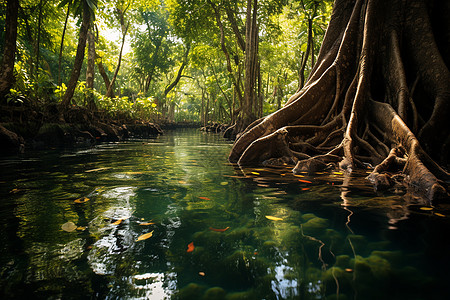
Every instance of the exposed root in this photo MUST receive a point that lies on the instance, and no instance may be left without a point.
(391, 57)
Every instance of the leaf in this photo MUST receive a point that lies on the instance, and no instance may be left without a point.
(305, 189)
(145, 236)
(81, 228)
(69, 226)
(426, 208)
(255, 173)
(96, 170)
(182, 182)
(190, 247)
(439, 215)
(146, 223)
(81, 200)
(274, 218)
(201, 273)
(305, 181)
(219, 230)
(204, 198)
(296, 175)
(224, 183)
(338, 173)
(117, 222)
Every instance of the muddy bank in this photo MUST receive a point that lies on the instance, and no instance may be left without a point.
(19, 137)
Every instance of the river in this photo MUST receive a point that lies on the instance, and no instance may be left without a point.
(171, 218)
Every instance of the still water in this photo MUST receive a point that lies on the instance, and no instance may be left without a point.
(170, 218)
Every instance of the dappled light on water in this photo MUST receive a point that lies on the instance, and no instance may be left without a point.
(171, 218)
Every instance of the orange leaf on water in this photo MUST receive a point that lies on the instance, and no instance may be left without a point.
(426, 208)
(145, 236)
(146, 223)
(219, 230)
(204, 198)
(117, 222)
(305, 189)
(201, 273)
(440, 215)
(81, 200)
(190, 247)
(305, 181)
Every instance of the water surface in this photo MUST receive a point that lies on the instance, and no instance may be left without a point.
(218, 232)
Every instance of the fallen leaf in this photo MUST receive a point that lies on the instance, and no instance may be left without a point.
(305, 181)
(219, 230)
(201, 273)
(117, 222)
(99, 169)
(255, 173)
(145, 236)
(439, 215)
(190, 247)
(305, 189)
(426, 208)
(338, 173)
(81, 228)
(182, 182)
(274, 218)
(282, 174)
(146, 223)
(224, 183)
(81, 200)
(349, 270)
(69, 226)
(204, 198)
(296, 175)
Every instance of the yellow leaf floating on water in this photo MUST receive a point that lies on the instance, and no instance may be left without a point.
(117, 222)
(145, 236)
(426, 208)
(146, 223)
(81, 200)
(274, 218)
(296, 175)
(182, 182)
(224, 183)
(338, 173)
(69, 226)
(99, 169)
(439, 215)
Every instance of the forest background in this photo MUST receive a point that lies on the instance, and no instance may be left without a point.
(160, 60)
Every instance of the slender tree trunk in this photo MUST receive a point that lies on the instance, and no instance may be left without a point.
(90, 70)
(102, 71)
(180, 71)
(7, 78)
(38, 44)
(79, 57)
(62, 43)
(109, 92)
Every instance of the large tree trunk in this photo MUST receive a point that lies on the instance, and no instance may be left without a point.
(7, 78)
(79, 57)
(380, 80)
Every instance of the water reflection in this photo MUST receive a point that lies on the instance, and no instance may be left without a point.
(256, 233)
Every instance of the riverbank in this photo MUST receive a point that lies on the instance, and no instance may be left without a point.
(22, 129)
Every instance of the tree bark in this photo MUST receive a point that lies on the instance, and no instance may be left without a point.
(79, 57)
(7, 78)
(363, 96)
(90, 69)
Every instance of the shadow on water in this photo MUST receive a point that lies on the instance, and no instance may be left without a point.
(170, 218)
